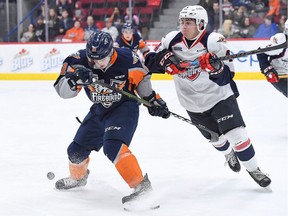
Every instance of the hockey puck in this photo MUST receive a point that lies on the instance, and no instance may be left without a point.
(50, 175)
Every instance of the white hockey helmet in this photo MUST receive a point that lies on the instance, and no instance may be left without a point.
(196, 12)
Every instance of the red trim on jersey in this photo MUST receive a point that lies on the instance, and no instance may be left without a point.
(195, 42)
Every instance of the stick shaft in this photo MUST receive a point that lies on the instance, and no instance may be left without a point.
(242, 54)
(214, 135)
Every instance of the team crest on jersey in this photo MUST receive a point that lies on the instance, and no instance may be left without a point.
(191, 73)
(221, 40)
(106, 96)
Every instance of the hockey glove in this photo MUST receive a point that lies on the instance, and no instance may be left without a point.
(211, 63)
(271, 74)
(159, 107)
(169, 62)
(81, 75)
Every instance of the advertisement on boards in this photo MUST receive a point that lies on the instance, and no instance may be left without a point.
(44, 60)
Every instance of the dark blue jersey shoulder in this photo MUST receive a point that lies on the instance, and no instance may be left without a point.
(78, 58)
(132, 45)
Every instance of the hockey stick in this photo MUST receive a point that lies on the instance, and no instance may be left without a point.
(214, 135)
(237, 55)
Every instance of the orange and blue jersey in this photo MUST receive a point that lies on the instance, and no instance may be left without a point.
(124, 72)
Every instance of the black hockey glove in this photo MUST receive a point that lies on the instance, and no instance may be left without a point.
(171, 64)
(159, 107)
(211, 63)
(81, 75)
(271, 74)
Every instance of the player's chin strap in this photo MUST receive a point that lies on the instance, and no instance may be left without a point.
(214, 135)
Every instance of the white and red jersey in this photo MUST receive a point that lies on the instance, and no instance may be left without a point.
(276, 58)
(198, 91)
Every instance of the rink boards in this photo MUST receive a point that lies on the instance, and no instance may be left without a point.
(43, 61)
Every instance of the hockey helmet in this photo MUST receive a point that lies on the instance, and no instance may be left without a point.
(196, 12)
(99, 45)
(127, 26)
(286, 27)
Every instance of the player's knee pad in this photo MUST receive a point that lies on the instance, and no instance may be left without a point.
(77, 153)
(112, 148)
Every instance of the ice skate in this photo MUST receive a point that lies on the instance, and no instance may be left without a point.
(141, 198)
(233, 162)
(260, 178)
(69, 183)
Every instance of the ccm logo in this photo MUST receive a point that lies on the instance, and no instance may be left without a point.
(224, 118)
(165, 57)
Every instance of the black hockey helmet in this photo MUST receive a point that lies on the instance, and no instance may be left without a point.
(99, 45)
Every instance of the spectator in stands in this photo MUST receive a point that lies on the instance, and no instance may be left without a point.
(40, 30)
(274, 8)
(213, 18)
(65, 23)
(116, 17)
(260, 8)
(112, 30)
(266, 29)
(64, 5)
(245, 3)
(229, 30)
(75, 34)
(79, 13)
(135, 19)
(281, 26)
(29, 35)
(247, 30)
(255, 19)
(207, 4)
(239, 15)
(227, 9)
(89, 28)
(53, 24)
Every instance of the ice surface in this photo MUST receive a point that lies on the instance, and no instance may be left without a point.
(187, 174)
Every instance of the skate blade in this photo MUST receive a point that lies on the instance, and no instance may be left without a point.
(143, 203)
(268, 189)
(139, 208)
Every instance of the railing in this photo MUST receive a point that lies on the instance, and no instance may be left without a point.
(29, 15)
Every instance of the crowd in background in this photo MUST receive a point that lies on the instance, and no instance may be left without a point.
(246, 18)
(68, 21)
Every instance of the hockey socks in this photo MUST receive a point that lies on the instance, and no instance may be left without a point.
(128, 167)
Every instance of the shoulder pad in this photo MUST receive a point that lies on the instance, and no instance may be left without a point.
(276, 39)
(216, 44)
(168, 38)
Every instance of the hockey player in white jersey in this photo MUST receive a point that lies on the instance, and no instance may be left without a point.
(274, 64)
(207, 91)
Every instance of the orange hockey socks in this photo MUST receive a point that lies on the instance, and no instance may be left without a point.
(128, 167)
(78, 171)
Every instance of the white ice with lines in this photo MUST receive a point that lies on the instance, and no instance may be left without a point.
(187, 173)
